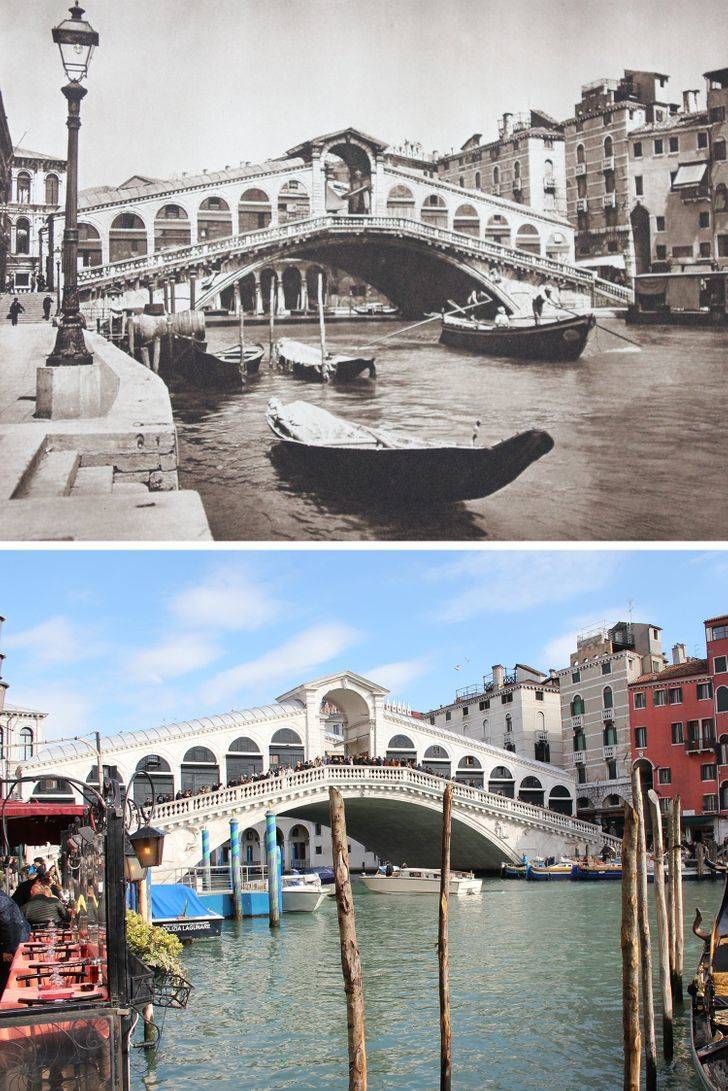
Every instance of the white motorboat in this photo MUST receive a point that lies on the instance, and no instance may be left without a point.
(410, 880)
(302, 893)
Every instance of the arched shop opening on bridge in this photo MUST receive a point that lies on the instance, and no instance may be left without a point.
(199, 769)
(171, 227)
(293, 202)
(286, 748)
(401, 202)
(299, 841)
(531, 791)
(127, 237)
(243, 759)
(437, 760)
(401, 748)
(89, 245)
(502, 782)
(214, 219)
(254, 210)
(469, 771)
(497, 230)
(560, 800)
(158, 770)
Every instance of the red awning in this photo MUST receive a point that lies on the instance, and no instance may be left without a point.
(38, 823)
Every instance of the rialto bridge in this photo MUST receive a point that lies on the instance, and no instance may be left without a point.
(504, 804)
(335, 200)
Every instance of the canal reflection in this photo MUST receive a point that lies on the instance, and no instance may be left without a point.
(636, 457)
(535, 983)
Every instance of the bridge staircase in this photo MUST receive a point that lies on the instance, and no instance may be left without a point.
(32, 302)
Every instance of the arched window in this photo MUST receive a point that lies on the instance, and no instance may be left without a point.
(401, 202)
(51, 189)
(243, 759)
(496, 176)
(517, 169)
(531, 791)
(127, 237)
(213, 219)
(2, 744)
(498, 230)
(22, 188)
(724, 796)
(437, 760)
(548, 170)
(580, 153)
(501, 782)
(583, 803)
(608, 147)
(160, 774)
(401, 748)
(54, 789)
(299, 841)
(607, 697)
(434, 211)
(486, 730)
(528, 239)
(171, 228)
(462, 181)
(285, 748)
(26, 743)
(469, 771)
(293, 202)
(721, 197)
(721, 699)
(477, 180)
(254, 210)
(467, 221)
(579, 739)
(199, 769)
(609, 734)
(560, 800)
(89, 245)
(577, 705)
(22, 236)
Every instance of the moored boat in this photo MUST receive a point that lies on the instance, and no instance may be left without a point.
(513, 871)
(535, 873)
(709, 1001)
(409, 880)
(180, 911)
(253, 355)
(550, 339)
(302, 893)
(361, 460)
(308, 362)
(596, 872)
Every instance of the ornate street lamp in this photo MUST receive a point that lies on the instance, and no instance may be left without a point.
(148, 844)
(76, 40)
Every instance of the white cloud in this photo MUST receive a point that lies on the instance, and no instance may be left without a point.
(299, 655)
(69, 712)
(397, 676)
(172, 658)
(53, 641)
(498, 582)
(225, 600)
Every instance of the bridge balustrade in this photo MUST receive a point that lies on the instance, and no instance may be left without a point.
(272, 789)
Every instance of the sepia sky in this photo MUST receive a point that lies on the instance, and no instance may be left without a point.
(185, 84)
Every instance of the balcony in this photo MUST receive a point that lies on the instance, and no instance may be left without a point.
(579, 757)
(582, 204)
(608, 163)
(576, 721)
(698, 745)
(508, 741)
(609, 753)
(542, 735)
(609, 200)
(608, 715)
(580, 170)
(517, 185)
(496, 190)
(549, 185)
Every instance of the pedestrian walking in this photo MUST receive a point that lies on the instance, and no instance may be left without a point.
(47, 304)
(16, 308)
(537, 303)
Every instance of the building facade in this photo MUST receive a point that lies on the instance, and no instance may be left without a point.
(716, 640)
(37, 194)
(717, 103)
(595, 714)
(6, 167)
(518, 709)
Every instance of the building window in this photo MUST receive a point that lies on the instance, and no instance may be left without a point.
(664, 776)
(466, 710)
(606, 668)
(674, 145)
(580, 153)
(719, 664)
(637, 149)
(677, 732)
(659, 223)
(661, 252)
(704, 691)
(506, 698)
(607, 697)
(638, 187)
(579, 741)
(539, 695)
(581, 773)
(708, 730)
(719, 632)
(477, 179)
(432, 721)
(719, 150)
(721, 699)
(577, 706)
(576, 676)
(659, 147)
(659, 698)
(705, 249)
(609, 735)
(611, 770)
(318, 851)
(22, 188)
(708, 772)
(640, 737)
(717, 114)
(317, 829)
(51, 189)
(26, 743)
(447, 715)
(710, 804)
(22, 237)
(675, 696)
(702, 140)
(483, 705)
(640, 700)
(704, 219)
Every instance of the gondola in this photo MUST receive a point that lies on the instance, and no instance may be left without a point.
(513, 871)
(709, 1001)
(307, 362)
(550, 339)
(215, 371)
(360, 460)
(596, 873)
(253, 355)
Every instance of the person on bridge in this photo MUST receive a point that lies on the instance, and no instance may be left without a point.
(47, 304)
(16, 308)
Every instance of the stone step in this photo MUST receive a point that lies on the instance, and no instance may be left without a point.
(93, 481)
(157, 517)
(53, 476)
(130, 488)
(20, 452)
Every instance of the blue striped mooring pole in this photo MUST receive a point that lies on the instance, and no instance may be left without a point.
(271, 861)
(206, 858)
(235, 869)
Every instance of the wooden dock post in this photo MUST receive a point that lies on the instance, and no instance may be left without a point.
(442, 945)
(630, 944)
(235, 869)
(144, 906)
(271, 861)
(206, 874)
(677, 901)
(350, 960)
(271, 317)
(700, 859)
(322, 325)
(241, 327)
(648, 1003)
(662, 927)
(671, 892)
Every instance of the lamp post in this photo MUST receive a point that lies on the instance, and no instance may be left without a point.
(75, 39)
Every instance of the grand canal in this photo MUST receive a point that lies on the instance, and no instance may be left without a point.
(636, 433)
(535, 981)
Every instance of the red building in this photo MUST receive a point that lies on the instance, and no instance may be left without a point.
(716, 640)
(673, 731)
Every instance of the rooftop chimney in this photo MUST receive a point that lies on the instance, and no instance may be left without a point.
(507, 125)
(690, 102)
(678, 654)
(498, 674)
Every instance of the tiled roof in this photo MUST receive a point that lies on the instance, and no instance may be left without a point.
(25, 153)
(676, 121)
(690, 669)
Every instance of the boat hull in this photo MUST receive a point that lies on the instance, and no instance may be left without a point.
(434, 474)
(189, 928)
(300, 900)
(392, 884)
(594, 874)
(339, 369)
(536, 874)
(554, 341)
(509, 871)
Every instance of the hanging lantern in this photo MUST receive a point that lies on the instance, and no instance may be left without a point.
(76, 39)
(148, 845)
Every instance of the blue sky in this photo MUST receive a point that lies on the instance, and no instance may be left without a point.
(123, 640)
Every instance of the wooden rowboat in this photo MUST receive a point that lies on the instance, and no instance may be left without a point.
(360, 460)
(253, 355)
(557, 339)
(709, 1001)
(307, 362)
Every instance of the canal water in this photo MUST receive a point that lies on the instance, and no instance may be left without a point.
(638, 436)
(535, 983)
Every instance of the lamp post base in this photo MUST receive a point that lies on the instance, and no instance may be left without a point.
(70, 348)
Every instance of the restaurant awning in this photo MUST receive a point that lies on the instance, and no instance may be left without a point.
(614, 261)
(699, 819)
(689, 174)
(38, 823)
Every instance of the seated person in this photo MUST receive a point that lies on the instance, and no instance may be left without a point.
(37, 870)
(43, 907)
(14, 930)
(501, 318)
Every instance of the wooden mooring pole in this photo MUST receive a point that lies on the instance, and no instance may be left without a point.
(442, 946)
(648, 1004)
(350, 960)
(271, 318)
(671, 892)
(630, 943)
(677, 901)
(662, 926)
(144, 906)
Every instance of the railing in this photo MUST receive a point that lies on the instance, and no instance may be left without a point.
(579, 757)
(608, 714)
(576, 721)
(293, 785)
(609, 752)
(199, 253)
(217, 879)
